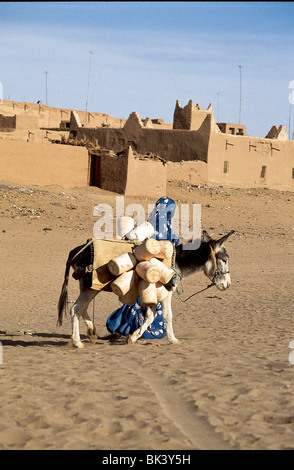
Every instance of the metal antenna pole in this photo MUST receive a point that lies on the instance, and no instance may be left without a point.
(290, 122)
(291, 101)
(91, 52)
(240, 106)
(218, 106)
(46, 73)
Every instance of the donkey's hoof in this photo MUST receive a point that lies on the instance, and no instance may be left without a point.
(78, 344)
(131, 340)
(174, 341)
(92, 338)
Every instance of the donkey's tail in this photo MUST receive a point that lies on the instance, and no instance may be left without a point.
(62, 303)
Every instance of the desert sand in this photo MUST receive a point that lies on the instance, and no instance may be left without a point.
(228, 385)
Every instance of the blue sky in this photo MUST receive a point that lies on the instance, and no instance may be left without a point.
(149, 54)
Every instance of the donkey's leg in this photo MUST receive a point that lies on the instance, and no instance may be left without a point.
(149, 318)
(91, 330)
(85, 287)
(79, 308)
(75, 335)
(168, 318)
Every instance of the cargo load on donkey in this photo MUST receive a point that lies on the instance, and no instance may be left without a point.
(143, 273)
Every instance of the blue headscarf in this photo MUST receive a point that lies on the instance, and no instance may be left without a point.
(128, 319)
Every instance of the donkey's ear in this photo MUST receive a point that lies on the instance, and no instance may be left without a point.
(222, 240)
(206, 237)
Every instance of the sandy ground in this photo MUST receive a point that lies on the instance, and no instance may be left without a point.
(228, 385)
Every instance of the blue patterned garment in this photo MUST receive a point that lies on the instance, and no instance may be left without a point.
(128, 319)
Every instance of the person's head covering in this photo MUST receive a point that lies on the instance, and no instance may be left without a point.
(161, 219)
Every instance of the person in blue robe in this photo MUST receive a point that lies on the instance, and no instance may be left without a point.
(128, 319)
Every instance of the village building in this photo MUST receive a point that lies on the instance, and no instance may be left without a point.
(114, 153)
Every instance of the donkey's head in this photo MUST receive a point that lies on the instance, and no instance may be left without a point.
(216, 267)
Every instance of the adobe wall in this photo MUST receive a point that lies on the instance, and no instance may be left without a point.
(145, 177)
(35, 135)
(171, 144)
(48, 116)
(38, 164)
(192, 172)
(175, 144)
(125, 174)
(93, 120)
(191, 117)
(195, 150)
(233, 129)
(109, 138)
(246, 156)
(156, 123)
(26, 122)
(69, 166)
(112, 172)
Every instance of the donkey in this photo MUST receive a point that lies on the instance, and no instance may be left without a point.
(211, 257)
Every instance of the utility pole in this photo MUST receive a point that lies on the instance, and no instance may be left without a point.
(240, 105)
(291, 101)
(218, 93)
(91, 52)
(290, 109)
(46, 73)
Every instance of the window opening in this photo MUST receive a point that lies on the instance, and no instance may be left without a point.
(263, 172)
